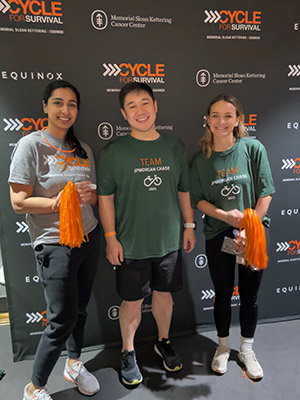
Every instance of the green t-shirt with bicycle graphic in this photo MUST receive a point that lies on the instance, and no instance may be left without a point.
(145, 177)
(234, 178)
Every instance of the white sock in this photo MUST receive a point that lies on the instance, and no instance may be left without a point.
(246, 344)
(224, 342)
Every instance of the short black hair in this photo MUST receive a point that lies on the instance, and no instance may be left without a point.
(134, 87)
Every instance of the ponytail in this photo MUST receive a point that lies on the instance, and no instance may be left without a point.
(73, 142)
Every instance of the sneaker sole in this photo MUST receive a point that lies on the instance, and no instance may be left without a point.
(69, 379)
(178, 368)
(218, 371)
(249, 375)
(134, 383)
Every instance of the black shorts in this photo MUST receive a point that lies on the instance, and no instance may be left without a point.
(137, 278)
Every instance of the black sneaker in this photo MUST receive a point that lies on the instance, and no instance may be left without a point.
(130, 372)
(171, 359)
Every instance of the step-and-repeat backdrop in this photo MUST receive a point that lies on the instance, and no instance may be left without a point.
(188, 52)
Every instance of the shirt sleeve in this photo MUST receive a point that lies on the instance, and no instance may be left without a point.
(23, 163)
(196, 186)
(184, 182)
(106, 183)
(263, 181)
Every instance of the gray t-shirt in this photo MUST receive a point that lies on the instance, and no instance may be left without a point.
(48, 170)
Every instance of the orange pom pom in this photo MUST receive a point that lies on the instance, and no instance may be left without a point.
(256, 243)
(70, 227)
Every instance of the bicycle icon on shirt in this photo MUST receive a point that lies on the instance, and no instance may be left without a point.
(149, 181)
(227, 191)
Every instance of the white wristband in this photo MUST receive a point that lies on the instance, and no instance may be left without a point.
(190, 225)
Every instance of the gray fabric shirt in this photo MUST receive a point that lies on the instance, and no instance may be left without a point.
(48, 170)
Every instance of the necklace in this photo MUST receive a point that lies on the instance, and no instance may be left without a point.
(51, 145)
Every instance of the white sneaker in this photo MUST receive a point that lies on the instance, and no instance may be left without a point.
(87, 383)
(253, 367)
(220, 359)
(38, 394)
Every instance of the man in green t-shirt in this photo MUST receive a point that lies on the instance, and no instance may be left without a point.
(143, 187)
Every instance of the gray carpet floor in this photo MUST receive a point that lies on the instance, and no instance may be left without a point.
(276, 346)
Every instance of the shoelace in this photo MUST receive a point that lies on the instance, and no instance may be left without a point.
(167, 347)
(251, 357)
(44, 395)
(127, 359)
(77, 369)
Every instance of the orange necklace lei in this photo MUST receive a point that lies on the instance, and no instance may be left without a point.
(51, 145)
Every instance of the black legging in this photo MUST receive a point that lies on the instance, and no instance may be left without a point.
(221, 266)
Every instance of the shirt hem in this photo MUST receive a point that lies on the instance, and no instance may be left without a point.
(156, 255)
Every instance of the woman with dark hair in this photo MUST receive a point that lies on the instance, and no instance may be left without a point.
(229, 174)
(42, 165)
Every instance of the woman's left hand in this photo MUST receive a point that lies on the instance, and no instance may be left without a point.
(84, 191)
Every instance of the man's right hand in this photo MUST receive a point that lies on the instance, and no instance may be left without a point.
(114, 251)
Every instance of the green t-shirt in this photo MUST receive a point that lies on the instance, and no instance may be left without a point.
(145, 177)
(234, 178)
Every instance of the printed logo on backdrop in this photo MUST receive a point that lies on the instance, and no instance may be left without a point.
(296, 26)
(291, 289)
(23, 125)
(21, 228)
(106, 130)
(232, 24)
(31, 279)
(209, 295)
(205, 77)
(291, 169)
(31, 16)
(31, 75)
(250, 124)
(113, 313)
(290, 212)
(124, 72)
(200, 261)
(294, 73)
(293, 126)
(36, 319)
(100, 21)
(288, 251)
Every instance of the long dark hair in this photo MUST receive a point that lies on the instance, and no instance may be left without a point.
(71, 139)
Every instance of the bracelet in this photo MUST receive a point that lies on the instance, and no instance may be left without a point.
(191, 225)
(108, 234)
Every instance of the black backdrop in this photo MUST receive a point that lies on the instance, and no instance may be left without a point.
(188, 52)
